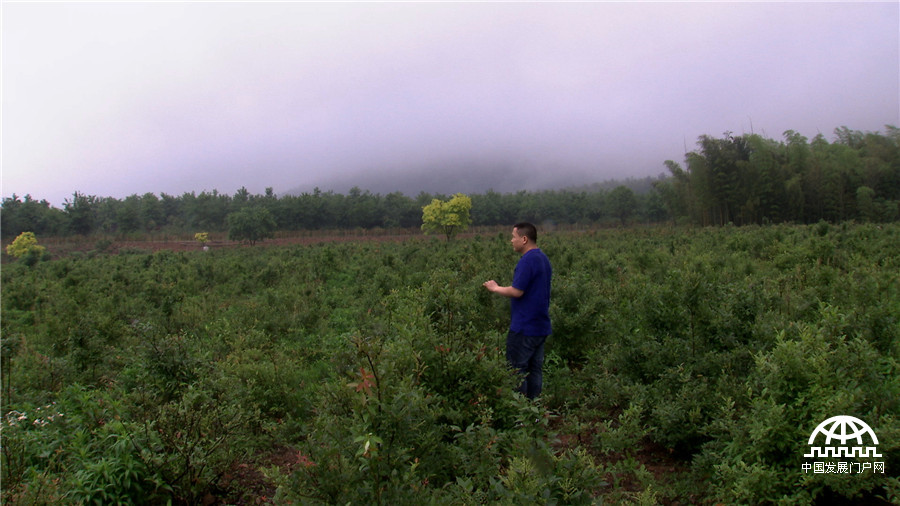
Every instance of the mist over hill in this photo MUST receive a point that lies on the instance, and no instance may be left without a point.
(472, 178)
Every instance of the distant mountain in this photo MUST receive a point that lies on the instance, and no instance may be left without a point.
(469, 178)
(637, 185)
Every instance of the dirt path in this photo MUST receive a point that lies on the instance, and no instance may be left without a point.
(62, 247)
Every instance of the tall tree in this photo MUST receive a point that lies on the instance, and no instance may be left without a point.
(80, 212)
(251, 224)
(18, 215)
(622, 203)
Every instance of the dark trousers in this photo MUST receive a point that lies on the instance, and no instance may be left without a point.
(526, 355)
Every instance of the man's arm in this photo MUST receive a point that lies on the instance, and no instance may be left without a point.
(506, 291)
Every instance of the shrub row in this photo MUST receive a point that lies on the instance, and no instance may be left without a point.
(146, 377)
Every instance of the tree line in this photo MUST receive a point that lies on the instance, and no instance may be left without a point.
(751, 179)
(317, 210)
(747, 179)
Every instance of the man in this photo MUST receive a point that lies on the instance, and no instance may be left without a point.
(529, 297)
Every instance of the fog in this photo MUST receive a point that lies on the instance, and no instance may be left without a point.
(113, 99)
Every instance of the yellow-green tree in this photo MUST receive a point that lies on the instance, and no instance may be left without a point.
(447, 217)
(25, 245)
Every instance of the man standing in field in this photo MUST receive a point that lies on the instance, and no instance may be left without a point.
(529, 297)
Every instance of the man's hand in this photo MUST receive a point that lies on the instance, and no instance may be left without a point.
(506, 291)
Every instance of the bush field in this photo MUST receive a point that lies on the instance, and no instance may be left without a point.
(687, 365)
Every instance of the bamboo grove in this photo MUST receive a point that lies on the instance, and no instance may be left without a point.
(752, 179)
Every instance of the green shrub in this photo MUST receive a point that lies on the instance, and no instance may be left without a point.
(715, 351)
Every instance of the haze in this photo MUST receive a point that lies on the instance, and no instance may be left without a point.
(114, 99)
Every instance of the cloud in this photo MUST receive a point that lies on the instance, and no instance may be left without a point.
(121, 98)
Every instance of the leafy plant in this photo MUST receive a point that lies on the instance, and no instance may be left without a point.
(251, 224)
(26, 248)
(448, 218)
(686, 365)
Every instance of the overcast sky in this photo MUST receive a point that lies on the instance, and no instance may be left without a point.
(119, 98)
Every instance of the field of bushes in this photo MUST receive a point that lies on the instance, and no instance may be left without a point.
(687, 365)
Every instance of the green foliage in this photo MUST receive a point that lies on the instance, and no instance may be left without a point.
(622, 203)
(251, 224)
(192, 441)
(82, 439)
(184, 214)
(448, 218)
(378, 366)
(805, 377)
(750, 179)
(21, 215)
(26, 248)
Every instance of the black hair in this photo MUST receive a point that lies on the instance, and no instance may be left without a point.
(528, 230)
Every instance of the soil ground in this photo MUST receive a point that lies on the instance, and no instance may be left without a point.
(60, 247)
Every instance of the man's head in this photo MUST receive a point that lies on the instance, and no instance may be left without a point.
(524, 237)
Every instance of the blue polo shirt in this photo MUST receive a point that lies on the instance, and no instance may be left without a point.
(531, 311)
